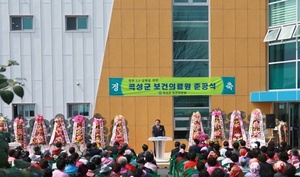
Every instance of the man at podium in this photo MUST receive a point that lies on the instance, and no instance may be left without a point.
(157, 130)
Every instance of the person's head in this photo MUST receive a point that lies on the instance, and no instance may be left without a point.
(91, 166)
(203, 173)
(258, 144)
(157, 122)
(255, 152)
(47, 172)
(228, 154)
(192, 155)
(217, 173)
(116, 144)
(86, 155)
(289, 170)
(242, 162)
(97, 161)
(128, 158)
(44, 163)
(254, 167)
(270, 154)
(71, 150)
(177, 144)
(105, 170)
(196, 141)
(242, 142)
(243, 152)
(216, 147)
(60, 164)
(122, 161)
(37, 150)
(262, 157)
(58, 145)
(105, 154)
(211, 161)
(149, 157)
(234, 157)
(264, 149)
(225, 144)
(94, 145)
(74, 157)
(211, 143)
(89, 146)
(250, 154)
(236, 145)
(116, 167)
(145, 147)
(183, 146)
(11, 152)
(283, 144)
(283, 156)
(295, 152)
(200, 166)
(17, 154)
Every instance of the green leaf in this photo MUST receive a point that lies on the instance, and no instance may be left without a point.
(36, 170)
(19, 91)
(7, 96)
(2, 68)
(12, 62)
(21, 164)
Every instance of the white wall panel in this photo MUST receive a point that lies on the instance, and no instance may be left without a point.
(47, 80)
(25, 43)
(98, 14)
(14, 7)
(69, 82)
(77, 7)
(46, 29)
(15, 40)
(89, 83)
(78, 56)
(58, 97)
(36, 12)
(25, 9)
(27, 72)
(89, 43)
(36, 56)
(67, 43)
(57, 54)
(57, 20)
(4, 30)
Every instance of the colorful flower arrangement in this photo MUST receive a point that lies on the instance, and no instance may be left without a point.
(196, 130)
(282, 131)
(237, 131)
(217, 132)
(59, 133)
(3, 124)
(97, 132)
(256, 127)
(119, 133)
(19, 131)
(78, 129)
(39, 132)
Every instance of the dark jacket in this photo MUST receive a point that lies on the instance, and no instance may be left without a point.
(158, 131)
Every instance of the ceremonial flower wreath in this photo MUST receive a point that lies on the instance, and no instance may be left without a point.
(98, 132)
(217, 132)
(237, 131)
(256, 130)
(19, 131)
(119, 133)
(282, 131)
(59, 133)
(78, 129)
(196, 130)
(39, 132)
(3, 124)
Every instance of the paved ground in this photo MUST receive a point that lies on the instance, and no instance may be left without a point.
(163, 172)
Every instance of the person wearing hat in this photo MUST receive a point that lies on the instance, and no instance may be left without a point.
(85, 157)
(105, 170)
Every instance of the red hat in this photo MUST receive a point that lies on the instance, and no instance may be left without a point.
(55, 152)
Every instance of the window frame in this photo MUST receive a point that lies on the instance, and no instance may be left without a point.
(23, 115)
(77, 30)
(22, 25)
(288, 30)
(272, 39)
(72, 104)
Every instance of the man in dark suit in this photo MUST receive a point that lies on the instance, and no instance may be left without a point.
(157, 130)
(195, 147)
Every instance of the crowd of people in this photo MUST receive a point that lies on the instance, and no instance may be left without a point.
(115, 161)
(235, 161)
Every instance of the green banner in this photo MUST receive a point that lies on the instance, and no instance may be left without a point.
(171, 86)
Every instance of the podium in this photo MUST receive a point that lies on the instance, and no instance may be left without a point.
(160, 142)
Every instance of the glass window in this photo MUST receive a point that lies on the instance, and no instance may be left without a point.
(188, 112)
(298, 74)
(78, 109)
(181, 134)
(282, 52)
(199, 0)
(190, 50)
(190, 31)
(286, 32)
(190, 68)
(190, 13)
(297, 31)
(272, 35)
(20, 23)
(24, 110)
(76, 23)
(282, 76)
(283, 12)
(181, 0)
(191, 101)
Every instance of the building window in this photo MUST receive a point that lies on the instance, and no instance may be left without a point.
(272, 35)
(21, 23)
(282, 76)
(76, 23)
(286, 32)
(78, 109)
(24, 110)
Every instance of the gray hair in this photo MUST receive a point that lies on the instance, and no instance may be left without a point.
(122, 161)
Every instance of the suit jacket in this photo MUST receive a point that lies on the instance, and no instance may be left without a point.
(158, 131)
(195, 148)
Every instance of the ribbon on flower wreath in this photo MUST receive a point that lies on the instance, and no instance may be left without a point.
(59, 133)
(39, 131)
(78, 135)
(236, 114)
(217, 126)
(119, 134)
(19, 131)
(196, 128)
(3, 124)
(282, 131)
(97, 132)
(256, 128)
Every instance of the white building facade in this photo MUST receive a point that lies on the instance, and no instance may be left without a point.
(59, 45)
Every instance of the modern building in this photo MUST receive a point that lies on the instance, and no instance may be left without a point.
(69, 49)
